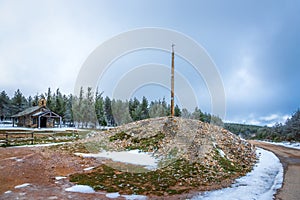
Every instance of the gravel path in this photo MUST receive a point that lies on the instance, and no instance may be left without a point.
(290, 159)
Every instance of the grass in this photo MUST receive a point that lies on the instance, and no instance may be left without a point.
(180, 177)
(226, 164)
(145, 144)
(119, 136)
(177, 177)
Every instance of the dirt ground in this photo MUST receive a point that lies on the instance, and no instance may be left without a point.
(290, 159)
(39, 167)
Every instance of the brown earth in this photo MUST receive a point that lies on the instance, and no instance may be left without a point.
(290, 159)
(38, 166)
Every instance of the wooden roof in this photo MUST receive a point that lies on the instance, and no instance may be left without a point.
(31, 110)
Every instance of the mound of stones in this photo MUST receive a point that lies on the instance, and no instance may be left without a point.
(173, 138)
(192, 155)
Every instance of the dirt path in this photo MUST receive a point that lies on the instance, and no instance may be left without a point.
(290, 159)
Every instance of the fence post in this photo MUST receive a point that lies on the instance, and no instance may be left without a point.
(32, 137)
(6, 138)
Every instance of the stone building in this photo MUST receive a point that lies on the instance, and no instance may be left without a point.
(37, 117)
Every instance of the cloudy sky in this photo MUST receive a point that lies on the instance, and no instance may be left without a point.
(254, 44)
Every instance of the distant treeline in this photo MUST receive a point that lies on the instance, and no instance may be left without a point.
(289, 131)
(89, 109)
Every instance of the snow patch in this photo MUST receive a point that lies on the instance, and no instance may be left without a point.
(41, 145)
(133, 157)
(112, 195)
(134, 197)
(261, 183)
(59, 177)
(80, 189)
(294, 145)
(221, 152)
(7, 192)
(88, 168)
(23, 185)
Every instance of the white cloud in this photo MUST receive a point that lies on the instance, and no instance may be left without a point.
(268, 120)
(44, 44)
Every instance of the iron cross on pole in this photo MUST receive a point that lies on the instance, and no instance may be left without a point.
(172, 83)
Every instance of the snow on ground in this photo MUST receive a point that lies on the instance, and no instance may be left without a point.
(38, 129)
(112, 195)
(88, 168)
(134, 197)
(294, 145)
(81, 189)
(40, 145)
(88, 189)
(23, 185)
(132, 157)
(59, 177)
(260, 184)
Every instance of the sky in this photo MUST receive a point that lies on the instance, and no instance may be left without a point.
(254, 45)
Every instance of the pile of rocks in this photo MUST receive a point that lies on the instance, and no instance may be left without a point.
(173, 138)
(193, 155)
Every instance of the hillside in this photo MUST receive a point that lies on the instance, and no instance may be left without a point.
(191, 155)
(243, 130)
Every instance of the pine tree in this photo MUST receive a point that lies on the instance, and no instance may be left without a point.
(99, 108)
(19, 102)
(59, 103)
(186, 114)
(30, 101)
(68, 115)
(177, 111)
(49, 98)
(89, 109)
(108, 112)
(120, 112)
(157, 109)
(5, 105)
(35, 101)
(198, 114)
(77, 108)
(134, 109)
(144, 109)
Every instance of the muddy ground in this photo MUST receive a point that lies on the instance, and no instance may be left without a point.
(38, 166)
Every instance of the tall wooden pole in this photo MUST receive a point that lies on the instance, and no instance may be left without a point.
(172, 83)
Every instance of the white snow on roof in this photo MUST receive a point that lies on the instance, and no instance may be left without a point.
(260, 184)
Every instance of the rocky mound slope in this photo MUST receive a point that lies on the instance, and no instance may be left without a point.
(192, 156)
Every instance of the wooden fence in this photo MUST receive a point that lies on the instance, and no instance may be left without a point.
(17, 137)
(14, 137)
